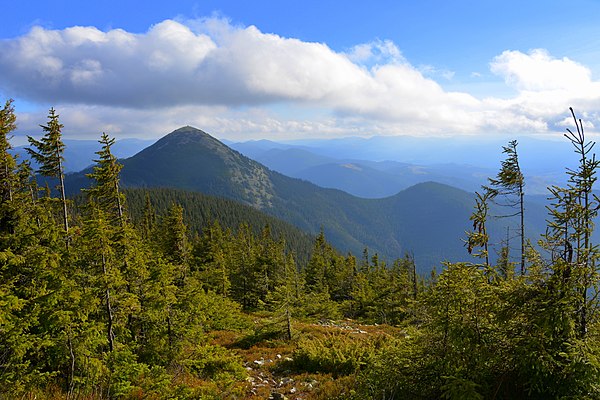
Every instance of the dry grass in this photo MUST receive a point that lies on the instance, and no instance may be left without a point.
(268, 359)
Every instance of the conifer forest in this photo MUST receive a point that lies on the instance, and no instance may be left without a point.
(157, 293)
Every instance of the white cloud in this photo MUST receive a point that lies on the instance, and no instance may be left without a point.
(547, 86)
(539, 71)
(82, 121)
(229, 80)
(376, 52)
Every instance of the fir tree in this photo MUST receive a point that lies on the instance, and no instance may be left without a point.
(479, 236)
(48, 154)
(105, 189)
(573, 212)
(7, 161)
(509, 186)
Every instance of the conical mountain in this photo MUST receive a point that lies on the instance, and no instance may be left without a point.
(191, 159)
(427, 220)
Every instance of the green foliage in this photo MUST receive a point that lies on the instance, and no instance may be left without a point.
(507, 190)
(317, 306)
(397, 372)
(479, 236)
(201, 212)
(7, 161)
(214, 362)
(124, 310)
(191, 160)
(105, 187)
(335, 354)
(48, 153)
(460, 389)
(128, 378)
(49, 150)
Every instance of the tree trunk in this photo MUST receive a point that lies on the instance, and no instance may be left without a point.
(289, 323)
(72, 367)
(522, 212)
(109, 312)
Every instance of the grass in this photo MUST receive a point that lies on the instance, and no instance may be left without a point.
(320, 362)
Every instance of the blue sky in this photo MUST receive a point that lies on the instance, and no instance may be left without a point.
(291, 69)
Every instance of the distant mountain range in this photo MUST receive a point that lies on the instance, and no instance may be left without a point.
(382, 166)
(428, 219)
(79, 154)
(369, 179)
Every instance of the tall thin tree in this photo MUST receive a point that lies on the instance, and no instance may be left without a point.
(572, 213)
(7, 161)
(479, 236)
(105, 191)
(509, 186)
(48, 154)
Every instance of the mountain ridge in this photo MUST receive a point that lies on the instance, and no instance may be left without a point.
(427, 220)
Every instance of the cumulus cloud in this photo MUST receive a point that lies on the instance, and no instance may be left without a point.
(221, 77)
(539, 71)
(547, 86)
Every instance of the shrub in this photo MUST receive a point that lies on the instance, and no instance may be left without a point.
(335, 354)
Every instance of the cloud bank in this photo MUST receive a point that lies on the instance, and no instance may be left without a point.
(238, 80)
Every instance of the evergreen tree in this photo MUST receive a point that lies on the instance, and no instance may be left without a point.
(105, 189)
(7, 161)
(317, 268)
(509, 186)
(175, 242)
(244, 282)
(285, 299)
(570, 230)
(479, 236)
(212, 257)
(148, 222)
(48, 154)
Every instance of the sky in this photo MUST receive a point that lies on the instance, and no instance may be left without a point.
(280, 70)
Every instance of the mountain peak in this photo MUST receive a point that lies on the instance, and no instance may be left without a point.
(188, 136)
(188, 129)
(191, 159)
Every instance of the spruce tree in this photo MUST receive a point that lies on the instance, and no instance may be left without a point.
(175, 242)
(244, 285)
(148, 222)
(212, 258)
(7, 161)
(507, 189)
(479, 236)
(572, 223)
(105, 189)
(48, 153)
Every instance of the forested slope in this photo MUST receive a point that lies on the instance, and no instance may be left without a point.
(95, 306)
(201, 211)
(428, 220)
